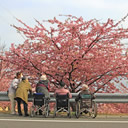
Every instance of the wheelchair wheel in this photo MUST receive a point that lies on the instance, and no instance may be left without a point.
(77, 114)
(54, 114)
(69, 113)
(46, 111)
(32, 112)
(93, 112)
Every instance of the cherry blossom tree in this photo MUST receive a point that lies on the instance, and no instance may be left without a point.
(74, 51)
(4, 72)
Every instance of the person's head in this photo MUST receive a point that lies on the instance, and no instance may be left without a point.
(43, 77)
(18, 75)
(62, 84)
(24, 78)
(84, 87)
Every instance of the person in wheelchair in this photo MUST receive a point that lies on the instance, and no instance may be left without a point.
(62, 100)
(62, 91)
(84, 90)
(43, 87)
(40, 105)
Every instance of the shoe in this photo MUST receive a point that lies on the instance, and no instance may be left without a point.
(20, 114)
(13, 113)
(85, 111)
(80, 113)
(26, 115)
(40, 113)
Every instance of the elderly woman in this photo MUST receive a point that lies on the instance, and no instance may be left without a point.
(22, 95)
(43, 86)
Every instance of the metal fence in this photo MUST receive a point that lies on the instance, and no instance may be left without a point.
(100, 97)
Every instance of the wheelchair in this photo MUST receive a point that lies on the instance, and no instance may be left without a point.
(62, 105)
(86, 105)
(40, 104)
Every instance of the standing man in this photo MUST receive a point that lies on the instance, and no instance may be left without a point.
(12, 91)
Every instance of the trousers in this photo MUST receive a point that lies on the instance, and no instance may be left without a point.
(13, 102)
(19, 101)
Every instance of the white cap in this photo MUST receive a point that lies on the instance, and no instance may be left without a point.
(85, 86)
(43, 77)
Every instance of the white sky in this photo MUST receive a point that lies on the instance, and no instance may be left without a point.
(27, 10)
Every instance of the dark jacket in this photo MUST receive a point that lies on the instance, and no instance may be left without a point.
(44, 83)
(43, 87)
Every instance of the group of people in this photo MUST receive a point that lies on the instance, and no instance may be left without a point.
(18, 91)
(20, 86)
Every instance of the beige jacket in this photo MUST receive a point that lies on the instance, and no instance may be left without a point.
(22, 90)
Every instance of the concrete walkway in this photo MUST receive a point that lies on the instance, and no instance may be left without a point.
(6, 115)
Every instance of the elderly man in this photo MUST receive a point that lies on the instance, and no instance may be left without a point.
(84, 90)
(62, 91)
(12, 90)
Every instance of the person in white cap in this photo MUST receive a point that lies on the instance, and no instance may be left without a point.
(43, 86)
(84, 90)
(85, 87)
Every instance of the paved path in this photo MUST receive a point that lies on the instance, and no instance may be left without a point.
(9, 121)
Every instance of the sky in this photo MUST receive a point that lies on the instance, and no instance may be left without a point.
(28, 10)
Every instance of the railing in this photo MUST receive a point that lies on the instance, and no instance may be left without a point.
(100, 97)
